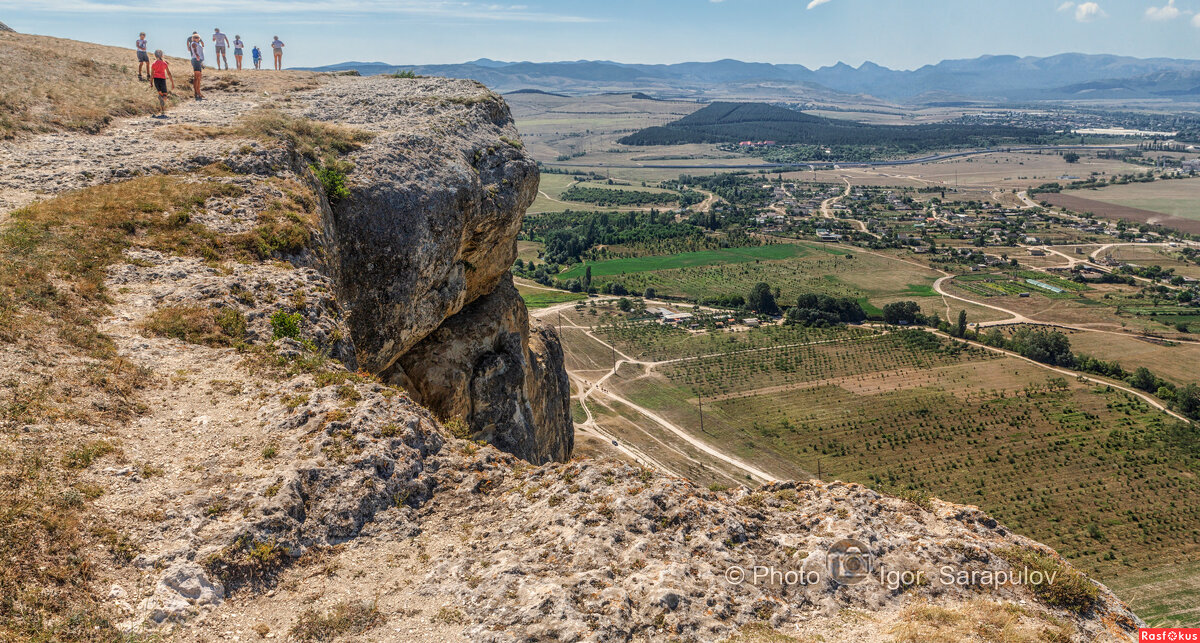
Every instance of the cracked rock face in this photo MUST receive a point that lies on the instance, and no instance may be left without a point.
(420, 254)
(436, 203)
(484, 366)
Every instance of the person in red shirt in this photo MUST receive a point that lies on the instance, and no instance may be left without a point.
(160, 71)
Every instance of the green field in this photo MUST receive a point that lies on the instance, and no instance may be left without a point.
(686, 260)
(545, 298)
(792, 268)
(1001, 284)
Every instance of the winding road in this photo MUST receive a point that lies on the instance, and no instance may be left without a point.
(597, 389)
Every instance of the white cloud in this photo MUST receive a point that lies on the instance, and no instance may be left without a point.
(1088, 11)
(1167, 12)
(1196, 21)
(816, 3)
(1066, 6)
(452, 9)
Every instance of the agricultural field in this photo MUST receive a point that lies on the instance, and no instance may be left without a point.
(1177, 198)
(1017, 282)
(793, 268)
(993, 172)
(1112, 210)
(529, 250)
(1175, 361)
(909, 413)
(1167, 596)
(1146, 255)
(685, 260)
(540, 297)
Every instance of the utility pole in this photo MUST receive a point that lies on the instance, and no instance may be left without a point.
(614, 355)
(700, 402)
(818, 468)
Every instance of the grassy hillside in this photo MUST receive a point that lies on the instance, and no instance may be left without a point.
(50, 84)
(735, 122)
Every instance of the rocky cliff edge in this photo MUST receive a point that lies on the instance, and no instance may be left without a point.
(239, 482)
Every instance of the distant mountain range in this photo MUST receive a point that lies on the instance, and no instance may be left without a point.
(988, 78)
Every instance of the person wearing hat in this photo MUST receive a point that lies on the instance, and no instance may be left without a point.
(238, 47)
(196, 49)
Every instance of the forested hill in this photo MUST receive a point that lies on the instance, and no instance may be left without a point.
(735, 122)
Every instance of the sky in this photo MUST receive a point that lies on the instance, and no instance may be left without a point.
(901, 34)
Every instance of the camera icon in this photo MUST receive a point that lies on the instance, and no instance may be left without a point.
(849, 562)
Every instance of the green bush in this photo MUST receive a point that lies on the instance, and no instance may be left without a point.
(333, 180)
(285, 325)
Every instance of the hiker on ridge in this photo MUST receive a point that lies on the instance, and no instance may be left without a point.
(142, 56)
(238, 47)
(221, 41)
(160, 71)
(277, 47)
(196, 49)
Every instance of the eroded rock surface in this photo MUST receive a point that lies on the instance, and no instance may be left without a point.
(436, 203)
(481, 367)
(420, 253)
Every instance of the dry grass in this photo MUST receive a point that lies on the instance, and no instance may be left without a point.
(1070, 589)
(44, 581)
(49, 84)
(198, 324)
(344, 618)
(314, 140)
(55, 252)
(53, 258)
(761, 633)
(979, 621)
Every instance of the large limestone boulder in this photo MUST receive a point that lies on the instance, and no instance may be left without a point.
(436, 203)
(420, 252)
(485, 367)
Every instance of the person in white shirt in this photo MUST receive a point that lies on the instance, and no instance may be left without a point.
(142, 55)
(196, 49)
(238, 46)
(221, 41)
(277, 47)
